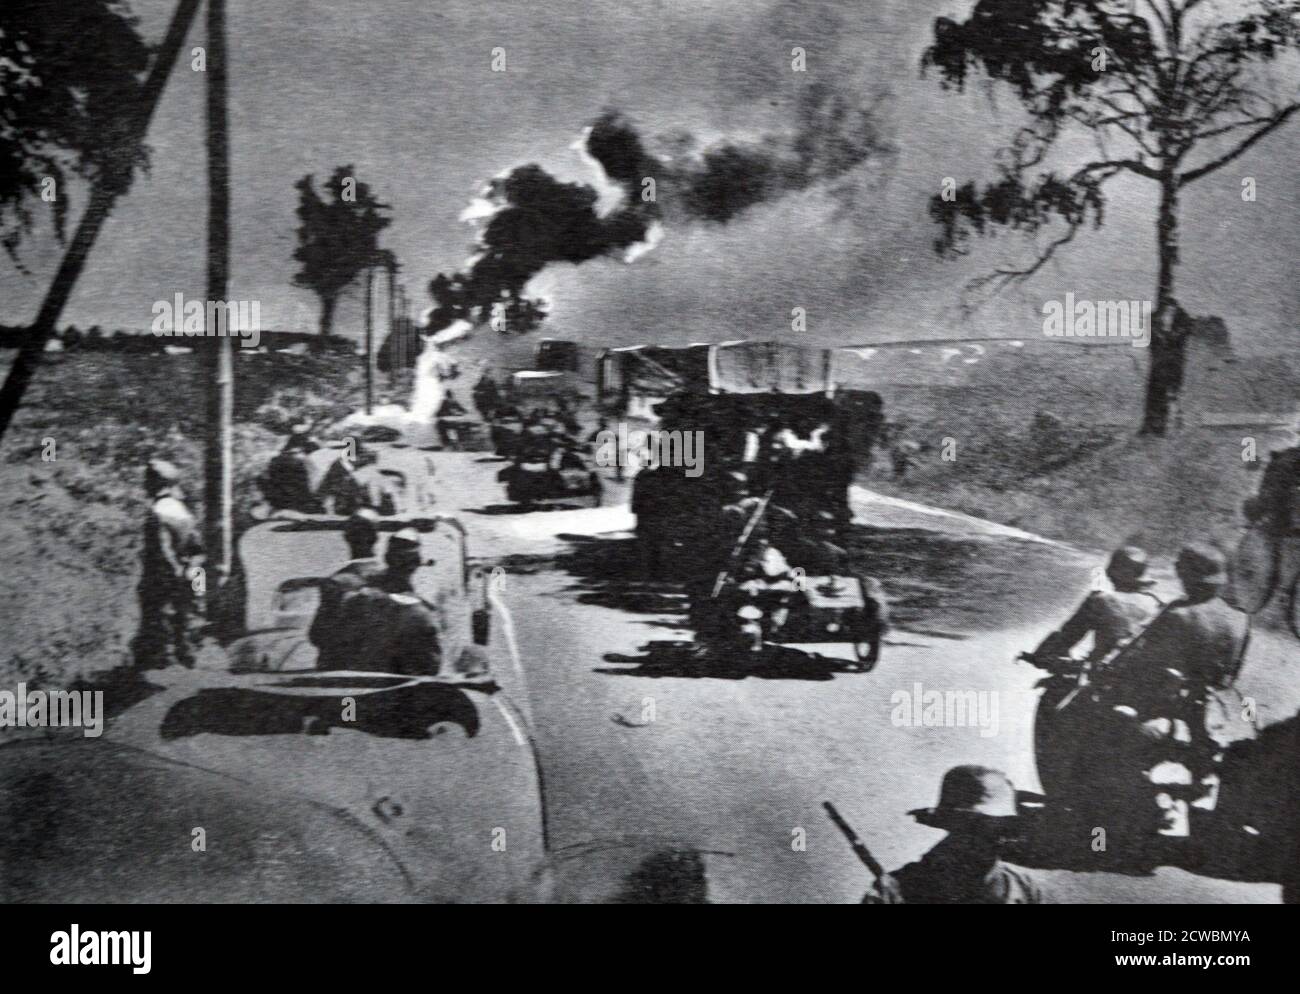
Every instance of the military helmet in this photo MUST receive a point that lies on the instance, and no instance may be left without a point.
(300, 439)
(403, 548)
(971, 794)
(1127, 565)
(160, 474)
(362, 526)
(1201, 565)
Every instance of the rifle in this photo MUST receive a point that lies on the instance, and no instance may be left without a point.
(859, 847)
(739, 547)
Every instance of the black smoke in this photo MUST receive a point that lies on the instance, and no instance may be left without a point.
(540, 220)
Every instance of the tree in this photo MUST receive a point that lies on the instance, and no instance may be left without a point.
(1152, 81)
(70, 86)
(338, 238)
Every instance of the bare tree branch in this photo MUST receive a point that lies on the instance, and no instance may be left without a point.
(1274, 123)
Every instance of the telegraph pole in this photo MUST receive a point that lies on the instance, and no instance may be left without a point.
(217, 353)
(370, 339)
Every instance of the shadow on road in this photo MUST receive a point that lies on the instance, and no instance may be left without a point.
(409, 713)
(495, 509)
(938, 585)
(675, 659)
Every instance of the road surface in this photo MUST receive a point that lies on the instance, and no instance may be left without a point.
(637, 743)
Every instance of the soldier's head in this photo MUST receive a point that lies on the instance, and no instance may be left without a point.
(1202, 570)
(161, 478)
(300, 439)
(977, 806)
(402, 557)
(1126, 568)
(362, 454)
(361, 532)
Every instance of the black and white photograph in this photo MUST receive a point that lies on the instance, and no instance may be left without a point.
(650, 452)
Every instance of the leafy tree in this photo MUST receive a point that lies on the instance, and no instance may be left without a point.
(338, 237)
(70, 76)
(1171, 91)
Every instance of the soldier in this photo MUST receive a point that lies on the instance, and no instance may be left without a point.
(286, 485)
(336, 645)
(1199, 635)
(1160, 690)
(977, 808)
(1111, 617)
(172, 548)
(1277, 505)
(351, 484)
(487, 398)
(396, 631)
(449, 410)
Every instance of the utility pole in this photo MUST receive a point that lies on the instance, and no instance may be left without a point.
(218, 365)
(395, 349)
(370, 340)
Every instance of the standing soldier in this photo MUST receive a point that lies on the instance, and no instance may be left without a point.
(172, 548)
(977, 808)
(1276, 507)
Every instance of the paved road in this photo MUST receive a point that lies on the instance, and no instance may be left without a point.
(638, 745)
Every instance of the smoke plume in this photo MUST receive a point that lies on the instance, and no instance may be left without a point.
(530, 219)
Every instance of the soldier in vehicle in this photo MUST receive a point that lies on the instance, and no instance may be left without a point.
(487, 398)
(287, 483)
(395, 630)
(353, 483)
(449, 408)
(172, 548)
(977, 808)
(334, 642)
(1111, 617)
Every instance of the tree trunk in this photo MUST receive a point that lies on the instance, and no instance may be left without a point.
(1168, 355)
(326, 321)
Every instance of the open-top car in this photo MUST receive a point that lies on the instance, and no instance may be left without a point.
(270, 780)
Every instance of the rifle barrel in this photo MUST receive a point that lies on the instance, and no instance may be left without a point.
(859, 847)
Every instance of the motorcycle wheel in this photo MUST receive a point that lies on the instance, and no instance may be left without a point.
(1253, 572)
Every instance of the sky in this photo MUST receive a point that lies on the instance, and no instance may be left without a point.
(404, 91)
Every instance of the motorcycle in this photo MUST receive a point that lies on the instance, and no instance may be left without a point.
(1142, 776)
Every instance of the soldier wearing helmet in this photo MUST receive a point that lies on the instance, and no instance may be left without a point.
(332, 639)
(1111, 617)
(977, 808)
(1276, 507)
(393, 628)
(287, 483)
(1199, 635)
(172, 549)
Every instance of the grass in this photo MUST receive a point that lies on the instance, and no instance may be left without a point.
(71, 468)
